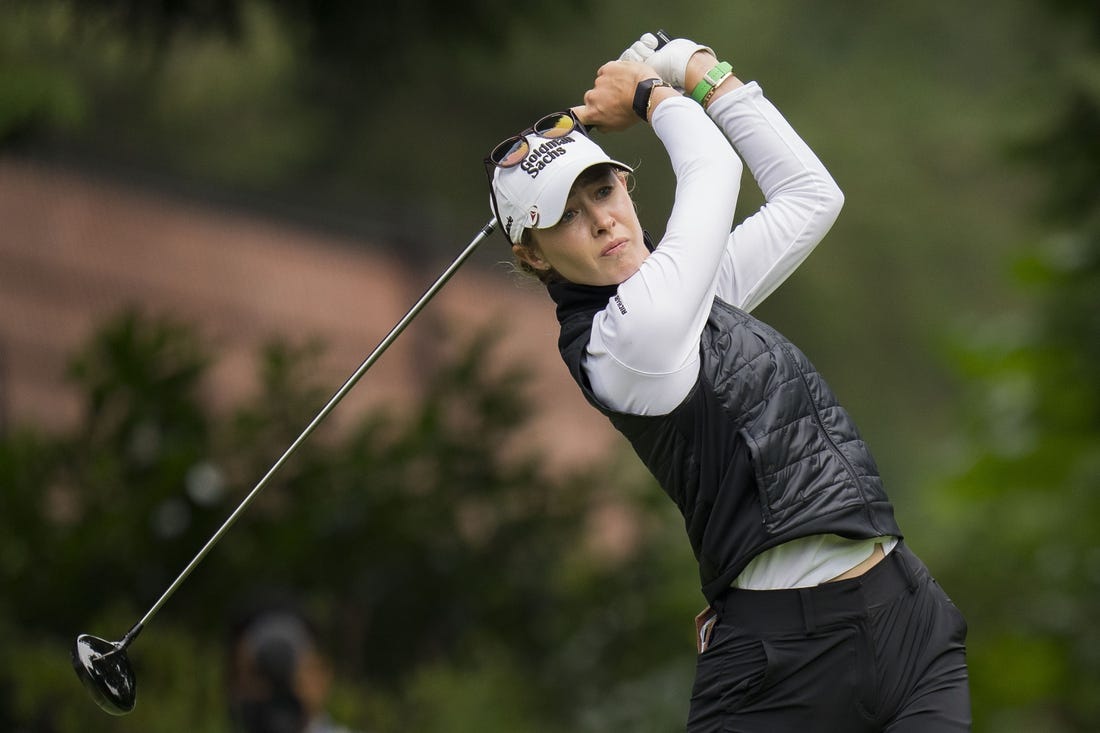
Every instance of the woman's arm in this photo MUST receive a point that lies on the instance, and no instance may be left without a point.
(644, 350)
(802, 199)
(646, 360)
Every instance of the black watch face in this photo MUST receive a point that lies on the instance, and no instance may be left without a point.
(641, 97)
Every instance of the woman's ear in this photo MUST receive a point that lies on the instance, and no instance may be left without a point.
(530, 255)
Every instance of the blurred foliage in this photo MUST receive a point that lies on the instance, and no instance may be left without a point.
(449, 582)
(1024, 510)
(252, 92)
(376, 127)
(357, 38)
(919, 110)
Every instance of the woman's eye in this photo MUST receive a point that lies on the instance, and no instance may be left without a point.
(568, 215)
(604, 192)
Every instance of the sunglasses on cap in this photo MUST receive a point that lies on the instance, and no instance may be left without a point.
(511, 151)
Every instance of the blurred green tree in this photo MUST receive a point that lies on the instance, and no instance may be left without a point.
(361, 39)
(64, 65)
(438, 568)
(1026, 509)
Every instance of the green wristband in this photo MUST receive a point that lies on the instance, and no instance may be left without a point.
(710, 79)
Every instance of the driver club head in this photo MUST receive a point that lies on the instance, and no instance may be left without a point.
(105, 671)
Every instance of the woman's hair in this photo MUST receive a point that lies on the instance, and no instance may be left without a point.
(588, 176)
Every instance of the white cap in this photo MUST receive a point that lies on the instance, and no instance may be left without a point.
(532, 195)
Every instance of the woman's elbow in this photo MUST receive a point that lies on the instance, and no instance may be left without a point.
(734, 165)
(832, 199)
(732, 168)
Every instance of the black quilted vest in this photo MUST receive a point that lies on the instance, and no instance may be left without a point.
(759, 453)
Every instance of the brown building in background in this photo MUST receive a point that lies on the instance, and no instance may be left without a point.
(76, 249)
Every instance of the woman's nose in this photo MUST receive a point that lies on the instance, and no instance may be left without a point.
(602, 219)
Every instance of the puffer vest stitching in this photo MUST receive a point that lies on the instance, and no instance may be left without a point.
(811, 471)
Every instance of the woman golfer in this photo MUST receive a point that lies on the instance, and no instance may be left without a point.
(819, 618)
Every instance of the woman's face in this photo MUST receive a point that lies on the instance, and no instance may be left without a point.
(598, 240)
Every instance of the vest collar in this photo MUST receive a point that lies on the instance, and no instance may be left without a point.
(571, 298)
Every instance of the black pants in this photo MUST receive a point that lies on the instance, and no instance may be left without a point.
(881, 652)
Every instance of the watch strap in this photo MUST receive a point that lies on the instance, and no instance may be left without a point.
(642, 93)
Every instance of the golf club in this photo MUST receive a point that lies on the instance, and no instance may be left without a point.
(102, 665)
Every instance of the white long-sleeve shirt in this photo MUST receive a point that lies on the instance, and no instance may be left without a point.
(643, 355)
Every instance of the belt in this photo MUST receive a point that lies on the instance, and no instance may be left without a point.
(826, 604)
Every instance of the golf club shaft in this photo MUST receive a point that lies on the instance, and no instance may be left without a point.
(340, 393)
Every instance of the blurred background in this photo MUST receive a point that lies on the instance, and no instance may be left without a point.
(211, 211)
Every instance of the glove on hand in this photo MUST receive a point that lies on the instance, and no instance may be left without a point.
(670, 62)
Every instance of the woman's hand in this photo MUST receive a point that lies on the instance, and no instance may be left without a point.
(680, 62)
(608, 105)
(671, 60)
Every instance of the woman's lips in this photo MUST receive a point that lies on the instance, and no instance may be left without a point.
(614, 247)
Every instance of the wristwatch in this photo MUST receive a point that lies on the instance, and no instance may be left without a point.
(643, 92)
